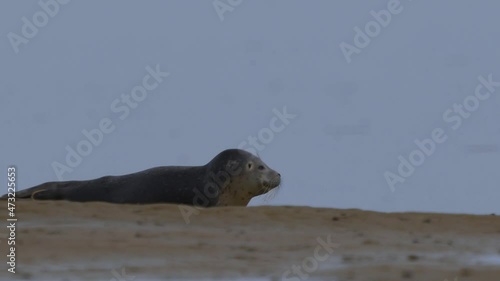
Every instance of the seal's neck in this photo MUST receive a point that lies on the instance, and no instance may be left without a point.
(233, 197)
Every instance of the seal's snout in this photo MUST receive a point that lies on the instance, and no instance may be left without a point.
(277, 179)
(273, 180)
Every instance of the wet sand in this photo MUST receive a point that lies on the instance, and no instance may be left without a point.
(98, 241)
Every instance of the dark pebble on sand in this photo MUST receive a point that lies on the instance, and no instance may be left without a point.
(407, 274)
(413, 257)
(465, 271)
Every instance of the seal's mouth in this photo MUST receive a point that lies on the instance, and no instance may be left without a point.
(268, 185)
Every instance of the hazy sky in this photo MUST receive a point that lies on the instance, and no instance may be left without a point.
(335, 95)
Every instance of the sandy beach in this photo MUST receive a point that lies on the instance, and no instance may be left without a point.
(99, 241)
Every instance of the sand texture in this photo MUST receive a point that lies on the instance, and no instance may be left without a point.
(58, 240)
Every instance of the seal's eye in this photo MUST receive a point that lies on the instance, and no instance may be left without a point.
(261, 167)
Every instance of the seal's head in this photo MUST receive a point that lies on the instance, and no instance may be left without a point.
(240, 176)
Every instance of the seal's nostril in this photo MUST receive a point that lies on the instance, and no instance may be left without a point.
(279, 175)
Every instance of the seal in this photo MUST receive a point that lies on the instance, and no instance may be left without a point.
(232, 178)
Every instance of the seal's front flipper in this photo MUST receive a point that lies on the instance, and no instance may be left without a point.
(46, 191)
(45, 194)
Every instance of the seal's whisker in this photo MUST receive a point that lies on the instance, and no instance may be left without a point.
(271, 193)
(263, 189)
(268, 197)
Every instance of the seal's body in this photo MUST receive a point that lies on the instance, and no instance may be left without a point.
(232, 178)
